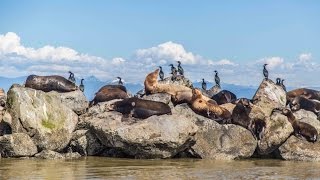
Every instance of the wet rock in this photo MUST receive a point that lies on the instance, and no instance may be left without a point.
(278, 130)
(42, 116)
(86, 143)
(48, 154)
(155, 137)
(181, 80)
(75, 100)
(17, 145)
(223, 142)
(269, 96)
(160, 97)
(297, 149)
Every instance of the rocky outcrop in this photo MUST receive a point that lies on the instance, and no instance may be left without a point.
(160, 97)
(297, 149)
(155, 137)
(42, 116)
(278, 130)
(17, 145)
(269, 96)
(48, 154)
(75, 100)
(86, 143)
(215, 141)
(180, 80)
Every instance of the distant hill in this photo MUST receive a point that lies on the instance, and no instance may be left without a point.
(92, 85)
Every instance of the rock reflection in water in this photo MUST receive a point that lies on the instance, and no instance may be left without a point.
(105, 168)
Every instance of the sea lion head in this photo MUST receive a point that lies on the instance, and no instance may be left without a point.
(314, 138)
(196, 94)
(295, 105)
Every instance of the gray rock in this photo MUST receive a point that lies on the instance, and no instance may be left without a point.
(17, 145)
(86, 143)
(42, 116)
(278, 130)
(297, 149)
(304, 114)
(223, 142)
(155, 137)
(181, 80)
(160, 97)
(212, 91)
(48, 154)
(75, 100)
(269, 96)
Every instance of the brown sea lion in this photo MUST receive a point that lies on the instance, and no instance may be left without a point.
(224, 97)
(208, 109)
(240, 116)
(123, 88)
(301, 102)
(109, 92)
(50, 83)
(307, 93)
(140, 108)
(185, 97)
(301, 129)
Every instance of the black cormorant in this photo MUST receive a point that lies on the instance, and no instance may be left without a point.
(204, 85)
(81, 87)
(161, 74)
(120, 82)
(278, 81)
(283, 86)
(180, 69)
(216, 78)
(265, 71)
(71, 77)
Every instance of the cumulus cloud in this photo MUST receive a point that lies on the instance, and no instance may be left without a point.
(305, 57)
(19, 60)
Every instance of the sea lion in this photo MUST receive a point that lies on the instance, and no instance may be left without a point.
(207, 109)
(301, 129)
(307, 93)
(139, 108)
(109, 92)
(185, 97)
(224, 96)
(123, 88)
(50, 83)
(301, 102)
(240, 116)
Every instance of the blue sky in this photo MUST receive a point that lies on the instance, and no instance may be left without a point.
(123, 37)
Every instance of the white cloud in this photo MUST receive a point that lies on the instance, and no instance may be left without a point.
(305, 57)
(18, 60)
(166, 52)
(272, 61)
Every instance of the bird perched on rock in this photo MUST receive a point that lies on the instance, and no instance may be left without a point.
(71, 77)
(278, 81)
(204, 85)
(120, 81)
(283, 86)
(81, 87)
(216, 78)
(161, 74)
(265, 71)
(180, 69)
(173, 72)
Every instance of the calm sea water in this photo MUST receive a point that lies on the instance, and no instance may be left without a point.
(109, 168)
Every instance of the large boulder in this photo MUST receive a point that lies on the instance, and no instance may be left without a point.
(48, 154)
(75, 100)
(269, 96)
(181, 80)
(17, 145)
(278, 130)
(155, 137)
(223, 142)
(86, 143)
(300, 150)
(42, 116)
(160, 97)
(213, 91)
